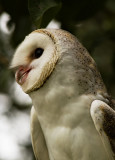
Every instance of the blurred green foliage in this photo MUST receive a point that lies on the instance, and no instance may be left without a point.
(42, 12)
(92, 21)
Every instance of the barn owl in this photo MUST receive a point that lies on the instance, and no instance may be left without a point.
(73, 116)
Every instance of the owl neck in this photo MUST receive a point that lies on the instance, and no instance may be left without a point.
(60, 107)
(68, 82)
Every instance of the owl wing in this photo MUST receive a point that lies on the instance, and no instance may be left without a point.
(38, 140)
(104, 120)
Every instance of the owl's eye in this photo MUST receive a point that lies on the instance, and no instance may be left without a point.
(38, 52)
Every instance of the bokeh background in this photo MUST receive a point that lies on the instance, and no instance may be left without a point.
(92, 21)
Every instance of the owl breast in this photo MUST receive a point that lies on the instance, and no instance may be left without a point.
(67, 125)
(69, 130)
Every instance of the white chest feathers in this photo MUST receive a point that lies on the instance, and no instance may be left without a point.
(69, 130)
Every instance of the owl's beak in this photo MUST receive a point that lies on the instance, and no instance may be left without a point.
(22, 74)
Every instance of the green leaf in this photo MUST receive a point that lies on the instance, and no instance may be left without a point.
(43, 11)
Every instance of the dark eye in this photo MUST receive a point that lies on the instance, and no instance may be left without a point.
(38, 52)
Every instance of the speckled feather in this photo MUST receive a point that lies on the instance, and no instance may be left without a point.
(84, 61)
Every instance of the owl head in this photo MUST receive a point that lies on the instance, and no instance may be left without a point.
(36, 57)
(47, 50)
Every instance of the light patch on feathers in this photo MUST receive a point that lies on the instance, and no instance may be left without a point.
(97, 115)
